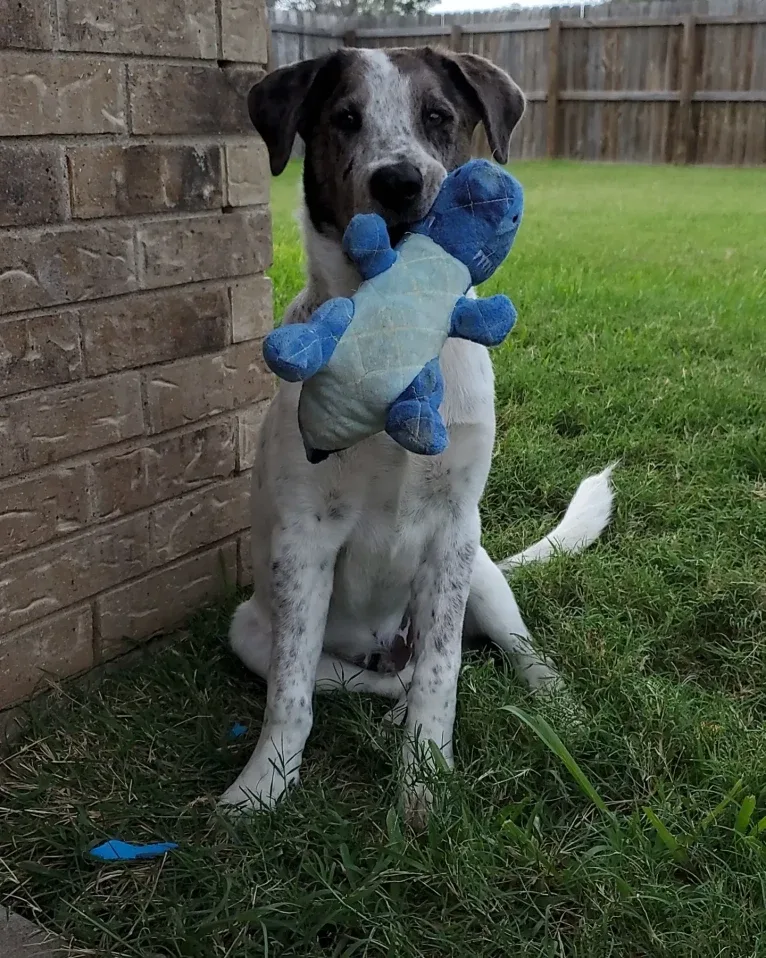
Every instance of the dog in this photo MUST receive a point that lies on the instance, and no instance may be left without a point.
(375, 545)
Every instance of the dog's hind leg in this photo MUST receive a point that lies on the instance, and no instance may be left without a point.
(492, 612)
(250, 640)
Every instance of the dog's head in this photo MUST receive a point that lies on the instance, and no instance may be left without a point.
(382, 127)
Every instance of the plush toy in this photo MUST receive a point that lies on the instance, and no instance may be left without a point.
(371, 363)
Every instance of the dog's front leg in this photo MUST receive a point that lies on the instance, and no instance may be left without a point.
(440, 593)
(302, 567)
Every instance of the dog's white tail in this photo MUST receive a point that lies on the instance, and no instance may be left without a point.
(585, 519)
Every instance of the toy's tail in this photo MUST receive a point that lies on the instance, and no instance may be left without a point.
(585, 519)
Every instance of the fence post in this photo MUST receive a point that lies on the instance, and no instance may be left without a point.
(684, 144)
(349, 38)
(552, 98)
(456, 38)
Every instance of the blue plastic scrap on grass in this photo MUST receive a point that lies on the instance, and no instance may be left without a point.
(237, 730)
(117, 851)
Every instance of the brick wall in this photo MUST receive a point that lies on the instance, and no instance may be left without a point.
(134, 231)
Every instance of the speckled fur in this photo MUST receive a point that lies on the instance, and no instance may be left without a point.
(345, 550)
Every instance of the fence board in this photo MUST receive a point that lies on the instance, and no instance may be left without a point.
(624, 80)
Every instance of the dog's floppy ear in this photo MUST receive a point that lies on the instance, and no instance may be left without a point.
(498, 101)
(283, 102)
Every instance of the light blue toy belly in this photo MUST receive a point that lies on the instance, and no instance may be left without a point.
(402, 319)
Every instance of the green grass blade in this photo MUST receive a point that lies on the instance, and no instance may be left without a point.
(394, 827)
(438, 759)
(745, 815)
(669, 840)
(548, 737)
(721, 806)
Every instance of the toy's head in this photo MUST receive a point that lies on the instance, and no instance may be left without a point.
(475, 216)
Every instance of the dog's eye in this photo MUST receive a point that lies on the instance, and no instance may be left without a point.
(435, 118)
(349, 120)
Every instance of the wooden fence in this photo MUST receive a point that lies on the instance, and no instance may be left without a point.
(662, 81)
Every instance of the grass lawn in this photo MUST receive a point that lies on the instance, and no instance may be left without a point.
(642, 335)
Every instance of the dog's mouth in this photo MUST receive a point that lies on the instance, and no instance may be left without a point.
(397, 233)
(401, 218)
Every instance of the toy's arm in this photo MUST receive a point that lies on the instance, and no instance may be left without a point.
(367, 244)
(297, 351)
(414, 420)
(484, 321)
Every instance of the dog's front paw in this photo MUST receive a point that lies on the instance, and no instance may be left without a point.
(256, 790)
(417, 801)
(237, 801)
(423, 763)
(541, 675)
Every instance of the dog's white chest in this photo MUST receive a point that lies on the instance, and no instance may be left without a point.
(403, 508)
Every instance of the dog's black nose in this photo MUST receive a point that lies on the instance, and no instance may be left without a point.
(396, 186)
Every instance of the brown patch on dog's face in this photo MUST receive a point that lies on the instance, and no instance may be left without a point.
(382, 128)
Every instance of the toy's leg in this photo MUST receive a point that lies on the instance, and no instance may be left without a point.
(484, 321)
(297, 351)
(367, 243)
(414, 420)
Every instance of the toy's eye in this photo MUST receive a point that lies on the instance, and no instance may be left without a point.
(436, 118)
(348, 119)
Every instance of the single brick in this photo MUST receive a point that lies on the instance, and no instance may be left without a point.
(191, 522)
(128, 481)
(184, 99)
(60, 646)
(26, 24)
(162, 600)
(138, 330)
(244, 31)
(247, 173)
(167, 28)
(54, 577)
(177, 251)
(252, 308)
(44, 507)
(47, 267)
(43, 94)
(249, 422)
(32, 185)
(114, 180)
(48, 425)
(38, 352)
(191, 389)
(242, 77)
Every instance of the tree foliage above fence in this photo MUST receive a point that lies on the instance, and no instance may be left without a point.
(356, 8)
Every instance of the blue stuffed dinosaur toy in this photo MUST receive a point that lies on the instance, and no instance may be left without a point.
(371, 363)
